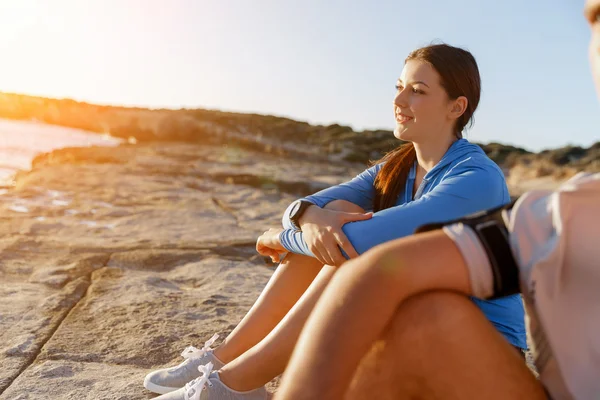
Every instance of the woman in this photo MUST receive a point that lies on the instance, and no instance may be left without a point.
(436, 176)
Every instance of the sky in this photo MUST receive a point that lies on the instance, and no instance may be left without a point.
(318, 61)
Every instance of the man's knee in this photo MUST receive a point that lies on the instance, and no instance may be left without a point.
(439, 343)
(420, 331)
(435, 310)
(430, 318)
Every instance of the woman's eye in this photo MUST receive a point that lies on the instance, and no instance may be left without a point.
(399, 87)
(415, 90)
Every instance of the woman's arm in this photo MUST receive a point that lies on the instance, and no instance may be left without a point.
(359, 303)
(329, 220)
(359, 191)
(469, 189)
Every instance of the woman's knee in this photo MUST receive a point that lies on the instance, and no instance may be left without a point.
(343, 205)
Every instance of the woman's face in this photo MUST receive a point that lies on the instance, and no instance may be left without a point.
(421, 106)
(592, 14)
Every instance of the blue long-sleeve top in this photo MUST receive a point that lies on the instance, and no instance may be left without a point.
(463, 182)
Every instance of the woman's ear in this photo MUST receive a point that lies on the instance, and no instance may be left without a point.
(458, 107)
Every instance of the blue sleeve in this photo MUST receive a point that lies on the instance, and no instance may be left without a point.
(293, 242)
(466, 189)
(359, 191)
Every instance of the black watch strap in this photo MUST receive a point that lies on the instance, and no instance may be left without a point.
(298, 211)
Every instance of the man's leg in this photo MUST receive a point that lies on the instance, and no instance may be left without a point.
(440, 346)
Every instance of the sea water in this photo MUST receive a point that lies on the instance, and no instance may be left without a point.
(21, 141)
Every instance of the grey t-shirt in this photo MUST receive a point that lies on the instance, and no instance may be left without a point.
(555, 238)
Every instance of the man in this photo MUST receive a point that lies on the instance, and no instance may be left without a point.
(396, 322)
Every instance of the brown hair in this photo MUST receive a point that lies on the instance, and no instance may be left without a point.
(459, 77)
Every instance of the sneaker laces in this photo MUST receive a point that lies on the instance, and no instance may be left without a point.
(194, 388)
(193, 353)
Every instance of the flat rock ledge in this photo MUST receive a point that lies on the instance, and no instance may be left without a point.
(113, 260)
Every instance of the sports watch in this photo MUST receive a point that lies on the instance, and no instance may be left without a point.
(298, 209)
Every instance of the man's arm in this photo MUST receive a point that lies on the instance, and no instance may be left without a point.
(359, 303)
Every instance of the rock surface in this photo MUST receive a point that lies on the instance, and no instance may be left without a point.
(112, 260)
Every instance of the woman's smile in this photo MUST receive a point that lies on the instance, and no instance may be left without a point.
(403, 118)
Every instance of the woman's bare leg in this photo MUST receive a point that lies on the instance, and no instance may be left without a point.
(291, 279)
(267, 359)
(289, 282)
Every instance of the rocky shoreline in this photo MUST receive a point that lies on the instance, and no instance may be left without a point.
(284, 137)
(115, 259)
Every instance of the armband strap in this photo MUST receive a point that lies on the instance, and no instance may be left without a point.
(490, 228)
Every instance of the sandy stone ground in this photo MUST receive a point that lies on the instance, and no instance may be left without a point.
(113, 260)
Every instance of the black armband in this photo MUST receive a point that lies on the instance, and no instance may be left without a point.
(490, 228)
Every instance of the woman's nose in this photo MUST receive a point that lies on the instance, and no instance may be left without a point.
(401, 99)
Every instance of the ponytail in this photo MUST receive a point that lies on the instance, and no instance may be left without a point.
(393, 175)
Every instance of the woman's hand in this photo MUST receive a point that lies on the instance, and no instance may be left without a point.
(322, 231)
(268, 244)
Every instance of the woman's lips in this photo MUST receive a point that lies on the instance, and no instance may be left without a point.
(400, 118)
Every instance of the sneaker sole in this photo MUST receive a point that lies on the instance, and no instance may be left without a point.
(154, 388)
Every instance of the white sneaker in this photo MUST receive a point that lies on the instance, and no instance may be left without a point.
(169, 379)
(209, 387)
